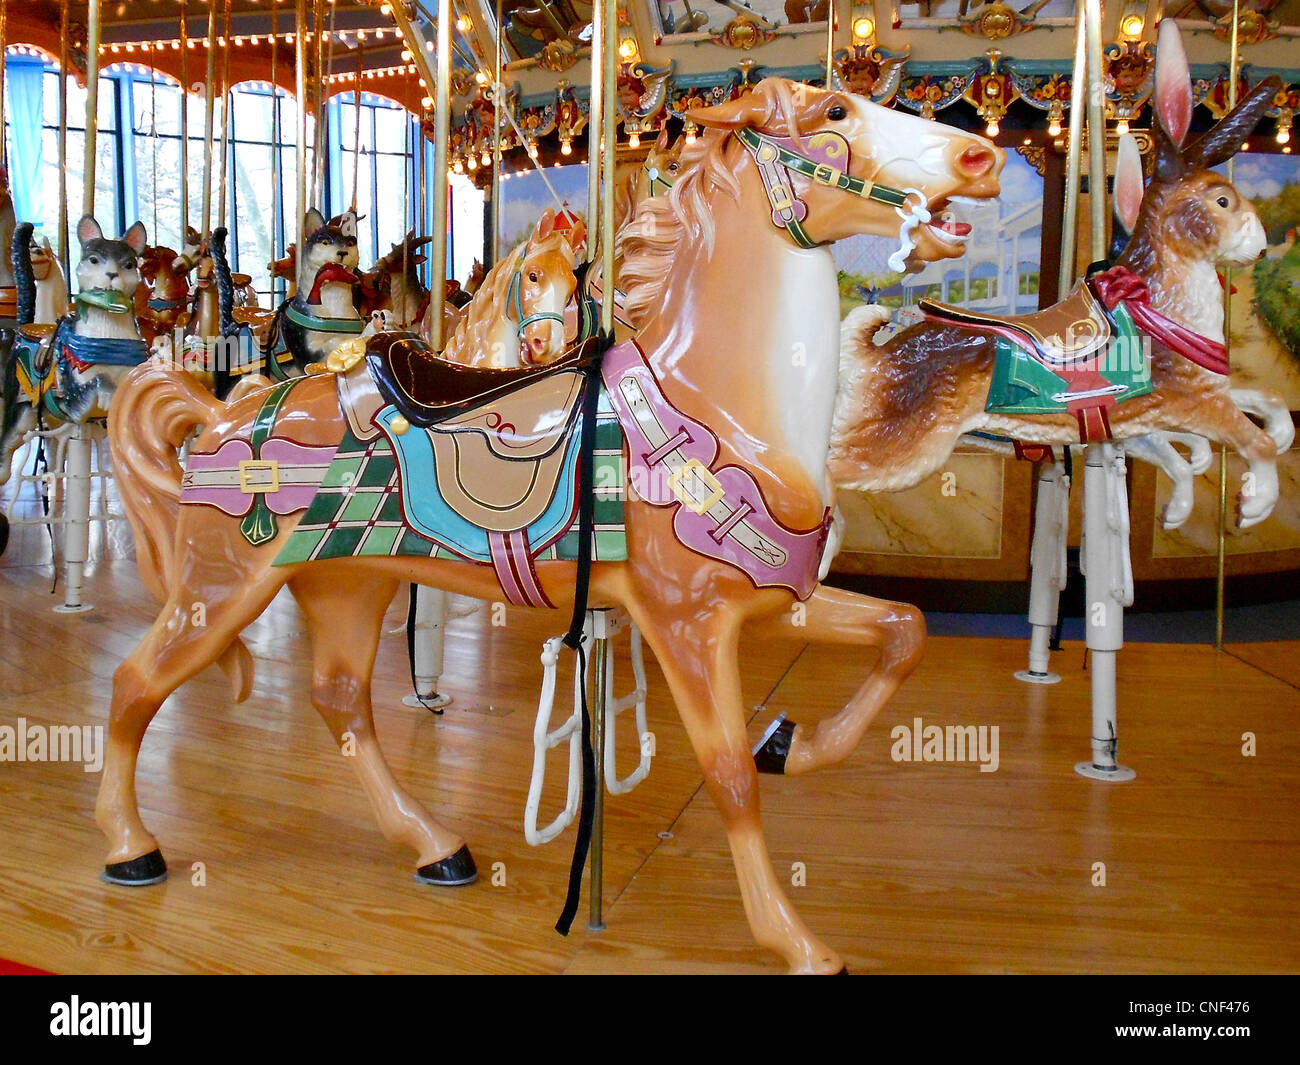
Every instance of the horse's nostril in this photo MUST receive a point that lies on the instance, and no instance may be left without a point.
(976, 160)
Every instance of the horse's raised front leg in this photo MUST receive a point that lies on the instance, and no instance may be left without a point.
(836, 616)
(182, 642)
(700, 661)
(345, 612)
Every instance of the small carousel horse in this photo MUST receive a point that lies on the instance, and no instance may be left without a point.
(655, 176)
(164, 298)
(728, 435)
(517, 317)
(47, 275)
(8, 220)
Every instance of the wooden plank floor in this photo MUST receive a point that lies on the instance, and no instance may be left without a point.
(909, 867)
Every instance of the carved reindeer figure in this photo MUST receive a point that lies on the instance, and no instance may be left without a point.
(904, 405)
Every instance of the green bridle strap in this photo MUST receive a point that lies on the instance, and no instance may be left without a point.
(820, 172)
(515, 304)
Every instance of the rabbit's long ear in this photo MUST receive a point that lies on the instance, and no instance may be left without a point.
(1170, 167)
(1173, 94)
(1225, 139)
(1128, 182)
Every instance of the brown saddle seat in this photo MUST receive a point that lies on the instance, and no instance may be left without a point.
(38, 331)
(430, 391)
(1070, 331)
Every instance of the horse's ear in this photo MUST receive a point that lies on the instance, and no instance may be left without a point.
(312, 221)
(753, 109)
(136, 238)
(88, 229)
(545, 225)
(577, 234)
(1173, 93)
(1128, 181)
(1225, 139)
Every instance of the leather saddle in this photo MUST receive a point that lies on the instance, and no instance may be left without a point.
(429, 390)
(1071, 332)
(501, 440)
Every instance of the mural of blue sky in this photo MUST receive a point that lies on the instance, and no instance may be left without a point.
(1258, 176)
(525, 197)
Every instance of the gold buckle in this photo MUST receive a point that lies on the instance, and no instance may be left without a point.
(694, 467)
(247, 466)
(827, 175)
(780, 197)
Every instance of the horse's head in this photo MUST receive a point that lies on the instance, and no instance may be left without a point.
(44, 262)
(664, 158)
(544, 285)
(1190, 214)
(284, 267)
(835, 164)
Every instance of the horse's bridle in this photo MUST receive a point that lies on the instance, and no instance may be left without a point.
(515, 300)
(776, 160)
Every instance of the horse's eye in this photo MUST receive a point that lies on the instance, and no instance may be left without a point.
(672, 166)
(533, 277)
(1222, 201)
(837, 113)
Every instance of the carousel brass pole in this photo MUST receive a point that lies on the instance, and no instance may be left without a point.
(4, 40)
(595, 128)
(1074, 158)
(225, 119)
(498, 103)
(185, 128)
(277, 193)
(356, 132)
(300, 87)
(1096, 135)
(92, 106)
(209, 93)
(63, 137)
(1220, 577)
(830, 43)
(322, 116)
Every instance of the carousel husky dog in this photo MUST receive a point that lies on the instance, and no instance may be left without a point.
(322, 312)
(68, 372)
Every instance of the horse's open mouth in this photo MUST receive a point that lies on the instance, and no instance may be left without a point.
(945, 226)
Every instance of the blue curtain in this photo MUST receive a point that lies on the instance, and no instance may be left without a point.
(25, 78)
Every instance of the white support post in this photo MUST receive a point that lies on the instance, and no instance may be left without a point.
(1109, 588)
(1047, 574)
(76, 529)
(430, 633)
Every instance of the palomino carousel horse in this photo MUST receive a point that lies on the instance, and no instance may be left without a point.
(727, 433)
(1077, 371)
(655, 176)
(164, 299)
(69, 372)
(8, 220)
(46, 273)
(517, 316)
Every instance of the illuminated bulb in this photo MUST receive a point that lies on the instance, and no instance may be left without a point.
(114, 49)
(532, 149)
(428, 46)
(472, 163)
(863, 28)
(176, 46)
(1283, 136)
(992, 129)
(239, 42)
(481, 77)
(1121, 127)
(1131, 26)
(189, 44)
(634, 141)
(427, 102)
(379, 34)
(406, 56)
(463, 24)
(566, 146)
(384, 9)
(130, 48)
(1054, 128)
(627, 48)
(690, 133)
(486, 158)
(361, 35)
(459, 167)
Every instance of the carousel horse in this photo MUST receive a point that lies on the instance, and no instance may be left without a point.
(394, 284)
(8, 220)
(517, 317)
(654, 177)
(163, 300)
(728, 436)
(69, 371)
(1077, 371)
(477, 273)
(286, 267)
(47, 273)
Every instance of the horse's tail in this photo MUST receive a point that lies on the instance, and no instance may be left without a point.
(154, 411)
(24, 278)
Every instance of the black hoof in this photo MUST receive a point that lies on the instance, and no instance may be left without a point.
(774, 748)
(452, 871)
(138, 872)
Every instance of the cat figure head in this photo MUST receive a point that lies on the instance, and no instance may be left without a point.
(331, 247)
(109, 269)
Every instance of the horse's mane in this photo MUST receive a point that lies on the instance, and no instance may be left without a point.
(648, 244)
(472, 341)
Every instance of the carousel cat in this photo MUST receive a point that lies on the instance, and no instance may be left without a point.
(69, 371)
